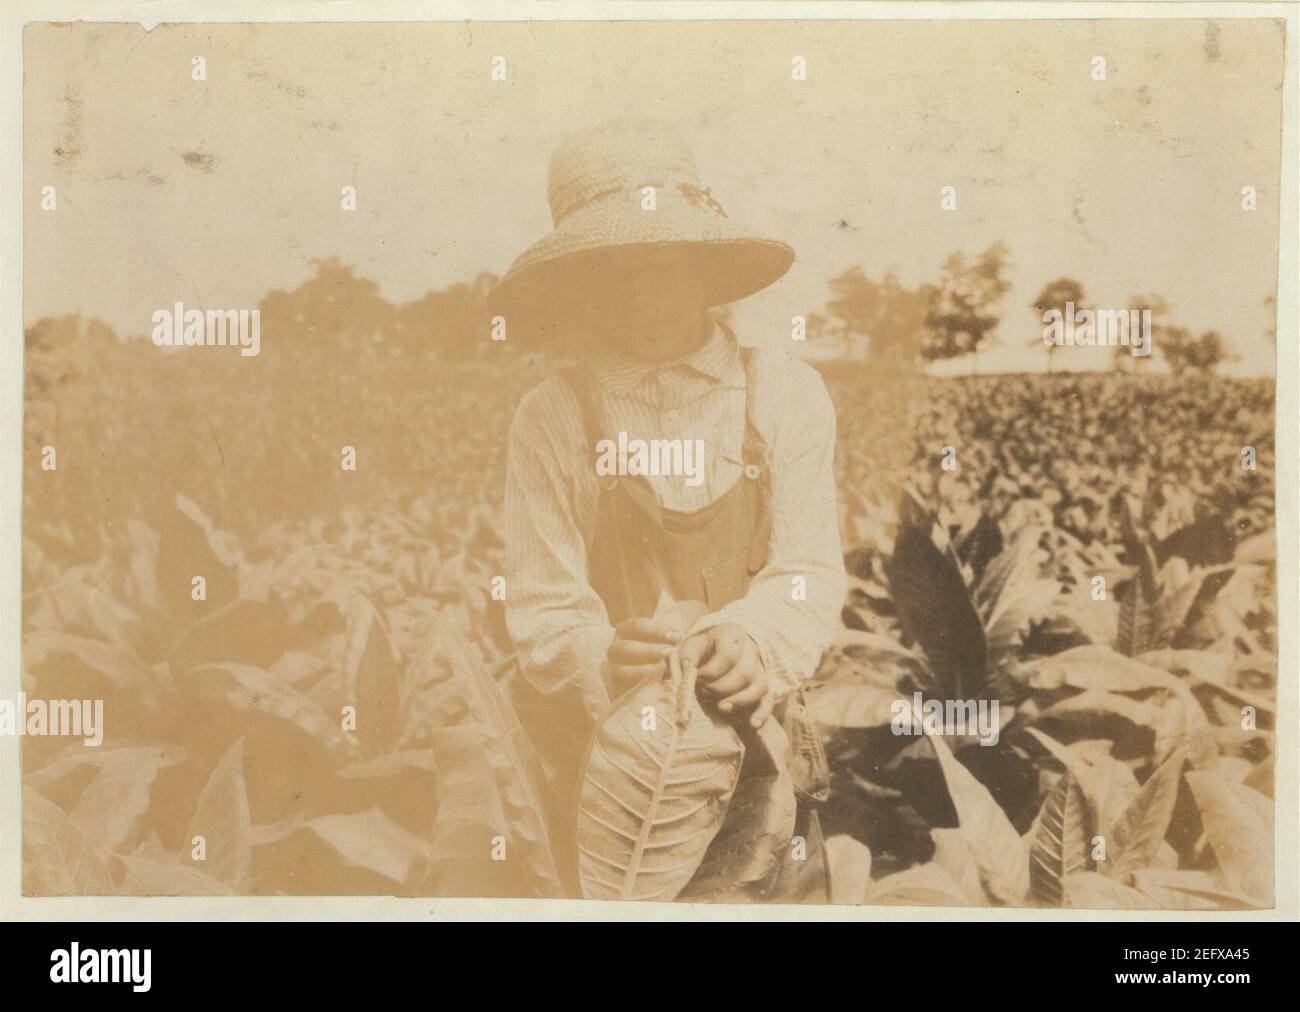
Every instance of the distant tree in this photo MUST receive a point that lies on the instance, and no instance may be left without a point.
(882, 319)
(963, 307)
(453, 322)
(337, 308)
(898, 336)
(334, 307)
(1174, 348)
(69, 332)
(50, 332)
(1188, 354)
(1159, 307)
(1211, 351)
(1055, 295)
(855, 309)
(61, 348)
(818, 330)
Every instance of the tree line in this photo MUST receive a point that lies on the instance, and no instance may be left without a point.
(958, 314)
(863, 318)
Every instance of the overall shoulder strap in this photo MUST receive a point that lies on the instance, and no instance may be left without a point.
(757, 466)
(755, 445)
(583, 385)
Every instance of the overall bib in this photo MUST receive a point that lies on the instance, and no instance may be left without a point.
(639, 549)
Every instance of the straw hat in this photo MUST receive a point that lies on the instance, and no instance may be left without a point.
(603, 225)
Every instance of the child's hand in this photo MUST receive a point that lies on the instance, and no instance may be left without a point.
(731, 669)
(638, 650)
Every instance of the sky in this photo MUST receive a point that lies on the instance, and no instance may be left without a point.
(214, 192)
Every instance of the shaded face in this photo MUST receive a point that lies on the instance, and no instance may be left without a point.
(649, 307)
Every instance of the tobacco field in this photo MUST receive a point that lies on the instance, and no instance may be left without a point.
(1099, 562)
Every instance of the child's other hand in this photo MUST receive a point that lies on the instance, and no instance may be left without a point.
(638, 650)
(731, 670)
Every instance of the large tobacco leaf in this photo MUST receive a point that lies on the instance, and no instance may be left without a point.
(1090, 707)
(110, 807)
(848, 700)
(364, 848)
(1015, 564)
(953, 854)
(1139, 600)
(490, 780)
(253, 691)
(920, 885)
(1012, 595)
(994, 843)
(849, 869)
(858, 680)
(474, 811)
(1141, 829)
(188, 544)
(1192, 890)
(1100, 668)
(1204, 542)
(98, 670)
(150, 876)
(370, 840)
(1108, 785)
(654, 791)
(372, 676)
(77, 603)
(1019, 608)
(935, 606)
(803, 877)
(1090, 890)
(58, 858)
(980, 544)
(1060, 841)
(244, 631)
(221, 818)
(1239, 826)
(759, 822)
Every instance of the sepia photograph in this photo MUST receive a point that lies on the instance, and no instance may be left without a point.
(691, 458)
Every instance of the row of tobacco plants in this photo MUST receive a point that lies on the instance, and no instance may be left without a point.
(1100, 563)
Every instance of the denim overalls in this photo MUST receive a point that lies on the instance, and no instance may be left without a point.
(638, 549)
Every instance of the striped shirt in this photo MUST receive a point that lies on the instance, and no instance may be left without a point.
(557, 621)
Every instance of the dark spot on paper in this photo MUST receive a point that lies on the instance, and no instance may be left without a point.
(68, 149)
(1211, 46)
(198, 160)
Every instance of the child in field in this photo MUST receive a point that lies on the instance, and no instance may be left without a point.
(638, 256)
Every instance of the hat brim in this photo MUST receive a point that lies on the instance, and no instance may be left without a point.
(726, 270)
(603, 246)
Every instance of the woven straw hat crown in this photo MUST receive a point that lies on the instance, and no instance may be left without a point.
(602, 212)
(623, 155)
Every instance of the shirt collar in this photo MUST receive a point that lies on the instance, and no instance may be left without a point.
(717, 359)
